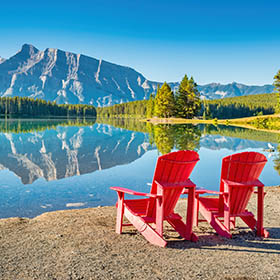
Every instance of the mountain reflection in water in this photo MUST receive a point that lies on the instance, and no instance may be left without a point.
(115, 151)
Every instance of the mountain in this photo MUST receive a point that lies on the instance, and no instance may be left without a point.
(2, 59)
(217, 91)
(65, 77)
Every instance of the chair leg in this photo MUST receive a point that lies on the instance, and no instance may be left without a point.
(227, 212)
(232, 222)
(196, 211)
(191, 214)
(257, 224)
(214, 222)
(148, 232)
(180, 227)
(252, 224)
(120, 210)
(159, 216)
(227, 221)
(260, 230)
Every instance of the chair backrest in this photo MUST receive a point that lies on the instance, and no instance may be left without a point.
(241, 168)
(174, 167)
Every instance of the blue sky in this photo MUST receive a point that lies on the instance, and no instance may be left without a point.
(214, 41)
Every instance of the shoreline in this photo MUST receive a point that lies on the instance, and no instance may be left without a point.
(82, 244)
(240, 122)
(267, 188)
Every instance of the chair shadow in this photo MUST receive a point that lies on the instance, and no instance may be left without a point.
(243, 241)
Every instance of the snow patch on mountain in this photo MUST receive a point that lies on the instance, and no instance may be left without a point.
(77, 89)
(43, 79)
(139, 81)
(73, 66)
(146, 85)
(221, 93)
(117, 85)
(130, 89)
(51, 61)
(98, 72)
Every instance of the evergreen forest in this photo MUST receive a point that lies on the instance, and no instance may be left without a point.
(28, 107)
(243, 106)
(227, 108)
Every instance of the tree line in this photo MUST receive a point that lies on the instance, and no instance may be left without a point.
(129, 109)
(30, 107)
(239, 107)
(226, 108)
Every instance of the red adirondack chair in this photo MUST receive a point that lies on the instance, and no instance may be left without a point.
(170, 178)
(239, 176)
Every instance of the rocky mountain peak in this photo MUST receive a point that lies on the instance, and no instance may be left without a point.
(64, 77)
(28, 50)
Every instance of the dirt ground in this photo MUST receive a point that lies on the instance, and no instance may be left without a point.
(82, 244)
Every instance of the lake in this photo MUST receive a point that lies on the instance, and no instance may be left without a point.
(59, 164)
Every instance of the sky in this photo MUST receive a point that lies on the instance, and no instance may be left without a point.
(213, 41)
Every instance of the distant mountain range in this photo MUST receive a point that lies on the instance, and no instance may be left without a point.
(65, 77)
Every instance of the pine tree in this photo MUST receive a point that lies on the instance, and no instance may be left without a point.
(164, 102)
(277, 87)
(150, 106)
(187, 99)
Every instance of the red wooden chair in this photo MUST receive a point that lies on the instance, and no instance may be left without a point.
(239, 176)
(170, 178)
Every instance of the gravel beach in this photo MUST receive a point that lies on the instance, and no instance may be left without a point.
(82, 244)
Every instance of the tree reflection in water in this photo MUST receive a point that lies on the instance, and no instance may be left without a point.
(36, 125)
(182, 137)
(165, 136)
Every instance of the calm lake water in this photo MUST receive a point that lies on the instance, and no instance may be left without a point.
(55, 165)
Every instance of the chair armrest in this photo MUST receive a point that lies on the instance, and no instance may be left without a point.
(128, 191)
(255, 183)
(186, 184)
(200, 190)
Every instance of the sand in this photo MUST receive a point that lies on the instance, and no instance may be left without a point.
(82, 244)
